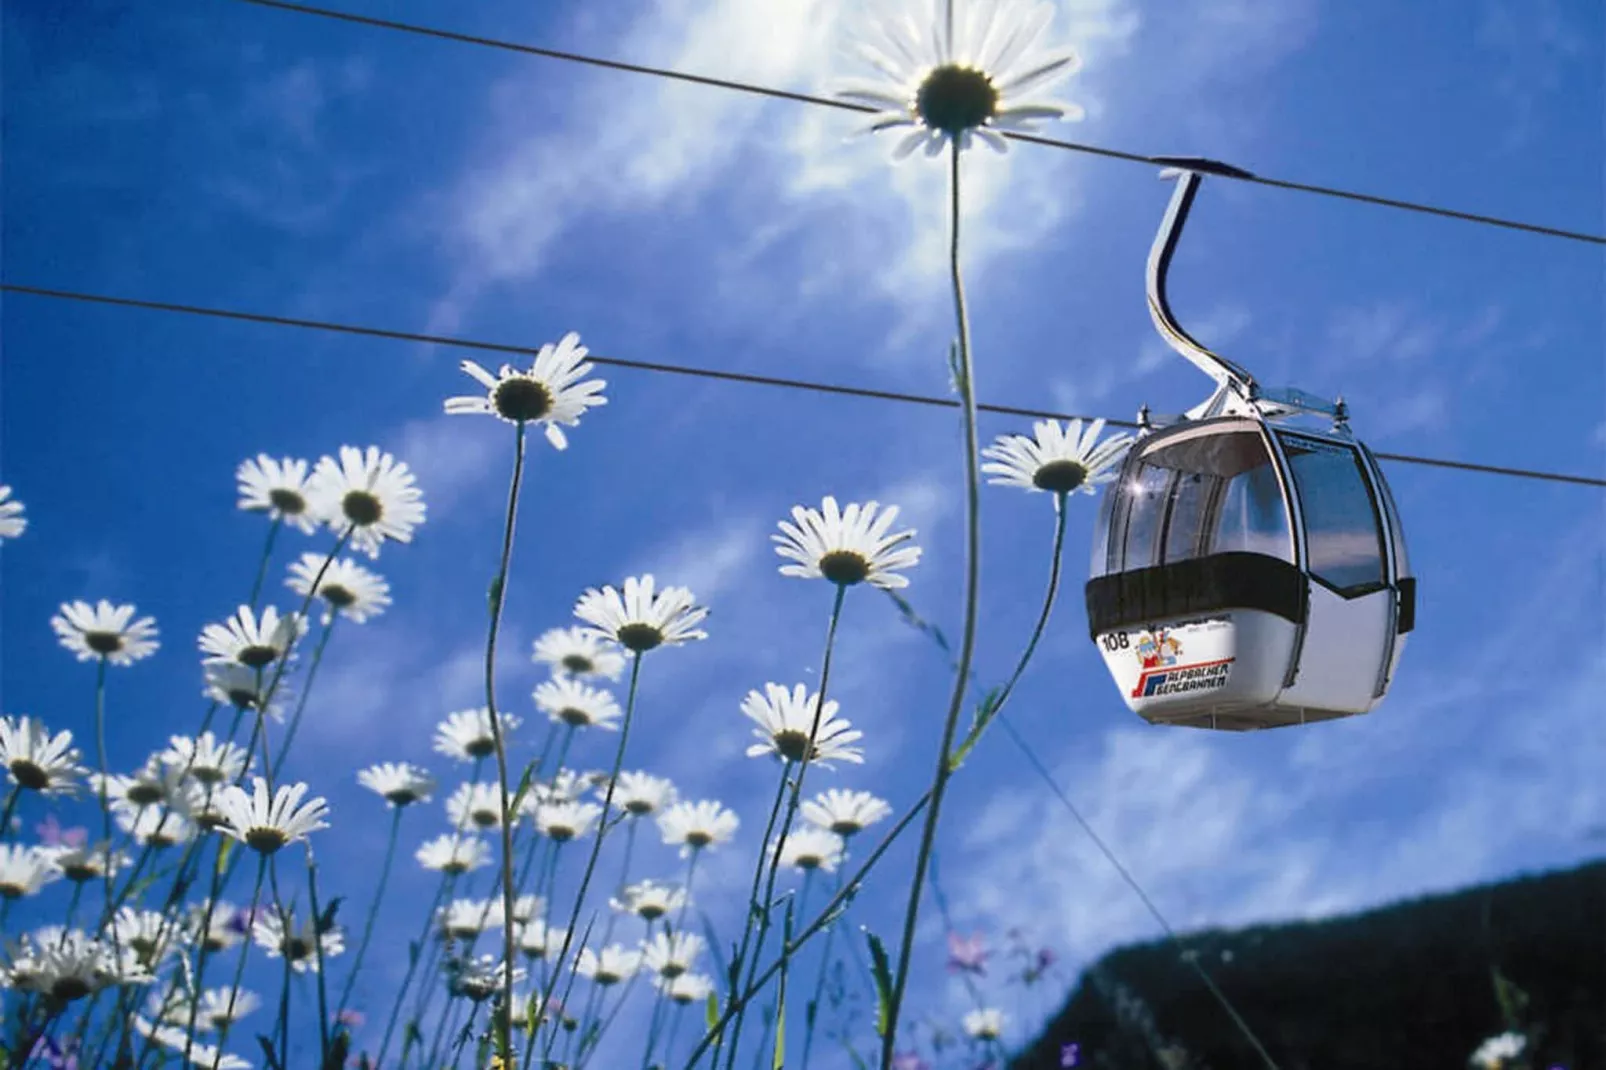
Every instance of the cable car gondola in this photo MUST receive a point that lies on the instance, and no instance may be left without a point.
(1249, 568)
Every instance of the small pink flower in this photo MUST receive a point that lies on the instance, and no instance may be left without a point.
(350, 1019)
(51, 834)
(967, 954)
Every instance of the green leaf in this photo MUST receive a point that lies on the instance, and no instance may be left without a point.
(268, 1052)
(326, 920)
(881, 971)
(779, 1060)
(225, 848)
(493, 597)
(518, 796)
(711, 1011)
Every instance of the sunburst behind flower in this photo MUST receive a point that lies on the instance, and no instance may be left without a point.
(956, 70)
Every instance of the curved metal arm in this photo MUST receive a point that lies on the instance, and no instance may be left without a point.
(1189, 172)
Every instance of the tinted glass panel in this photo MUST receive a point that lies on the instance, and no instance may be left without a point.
(1252, 516)
(1204, 490)
(1342, 536)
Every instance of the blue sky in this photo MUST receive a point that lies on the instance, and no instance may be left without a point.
(227, 155)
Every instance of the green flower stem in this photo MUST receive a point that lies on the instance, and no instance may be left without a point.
(967, 640)
(282, 1029)
(11, 806)
(262, 562)
(680, 921)
(301, 703)
(373, 912)
(850, 888)
(792, 803)
(994, 706)
(239, 973)
(596, 843)
(503, 1022)
(317, 949)
(443, 889)
(754, 906)
(811, 1015)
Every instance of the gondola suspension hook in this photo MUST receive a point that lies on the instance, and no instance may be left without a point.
(1230, 377)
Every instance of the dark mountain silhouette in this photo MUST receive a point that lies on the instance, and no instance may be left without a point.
(1418, 984)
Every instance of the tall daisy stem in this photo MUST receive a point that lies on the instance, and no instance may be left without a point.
(596, 843)
(503, 1022)
(967, 640)
(262, 562)
(416, 952)
(373, 913)
(301, 702)
(11, 808)
(239, 973)
(792, 803)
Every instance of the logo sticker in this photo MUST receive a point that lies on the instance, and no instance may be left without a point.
(1159, 652)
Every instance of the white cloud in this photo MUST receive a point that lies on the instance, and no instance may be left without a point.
(644, 144)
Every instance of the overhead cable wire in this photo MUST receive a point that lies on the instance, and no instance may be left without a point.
(1189, 956)
(695, 371)
(842, 105)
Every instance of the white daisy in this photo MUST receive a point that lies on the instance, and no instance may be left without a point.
(215, 1011)
(966, 74)
(564, 821)
(615, 963)
(37, 760)
(649, 900)
(205, 758)
(671, 954)
(785, 719)
(266, 823)
(572, 703)
(578, 652)
(369, 492)
(69, 964)
(1494, 1053)
(812, 848)
(641, 619)
(696, 825)
(226, 927)
(845, 812)
(1062, 461)
(984, 1023)
(149, 934)
(454, 854)
(178, 1040)
(398, 783)
(12, 522)
(25, 870)
(686, 988)
(538, 940)
(350, 590)
(278, 488)
(481, 979)
(152, 783)
(462, 919)
(156, 826)
(550, 393)
(477, 805)
(466, 735)
(105, 631)
(639, 794)
(248, 640)
(297, 943)
(525, 907)
(846, 546)
(88, 862)
(242, 688)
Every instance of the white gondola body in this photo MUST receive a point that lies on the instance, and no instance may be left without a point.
(1245, 591)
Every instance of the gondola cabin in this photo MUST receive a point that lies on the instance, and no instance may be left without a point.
(1249, 569)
